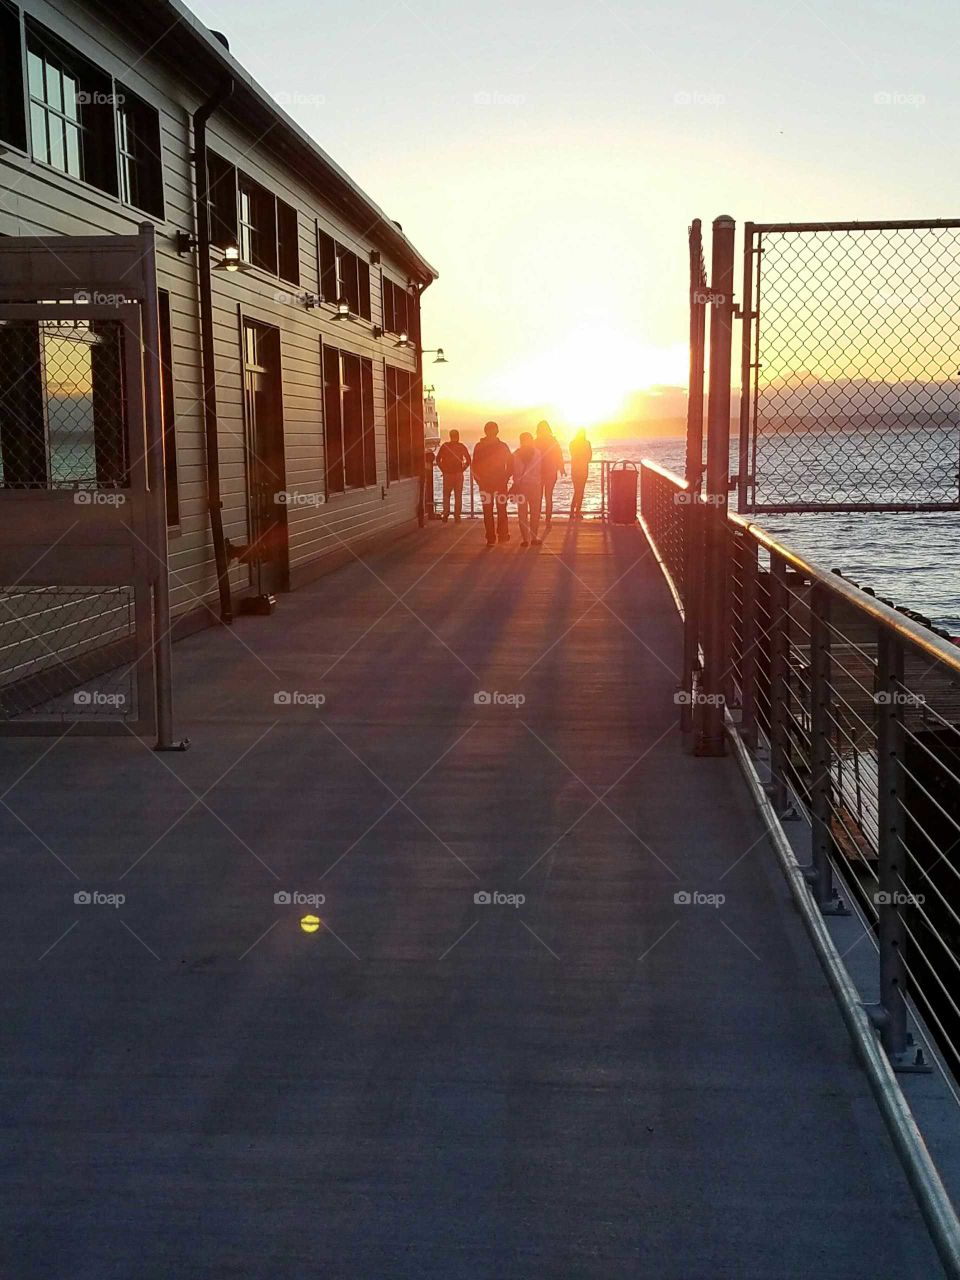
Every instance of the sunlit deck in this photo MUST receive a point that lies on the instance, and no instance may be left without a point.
(598, 1082)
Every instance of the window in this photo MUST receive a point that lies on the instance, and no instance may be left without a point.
(401, 310)
(245, 215)
(138, 138)
(168, 410)
(349, 432)
(288, 243)
(327, 248)
(404, 424)
(13, 125)
(343, 275)
(71, 112)
(258, 225)
(222, 199)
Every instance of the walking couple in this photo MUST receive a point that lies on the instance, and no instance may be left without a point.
(529, 474)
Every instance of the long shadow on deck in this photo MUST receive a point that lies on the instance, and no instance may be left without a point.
(601, 1081)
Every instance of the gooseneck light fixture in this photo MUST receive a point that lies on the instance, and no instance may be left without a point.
(404, 342)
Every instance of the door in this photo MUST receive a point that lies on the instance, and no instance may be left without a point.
(266, 477)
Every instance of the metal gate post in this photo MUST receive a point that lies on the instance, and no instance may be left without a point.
(693, 466)
(747, 367)
(820, 876)
(153, 422)
(711, 739)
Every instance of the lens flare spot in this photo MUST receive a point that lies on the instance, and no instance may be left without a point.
(310, 924)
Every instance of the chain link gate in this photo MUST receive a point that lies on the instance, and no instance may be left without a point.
(850, 370)
(84, 614)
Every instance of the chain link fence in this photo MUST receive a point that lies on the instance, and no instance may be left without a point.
(62, 406)
(65, 651)
(851, 368)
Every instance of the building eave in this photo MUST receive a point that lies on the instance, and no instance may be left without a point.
(173, 31)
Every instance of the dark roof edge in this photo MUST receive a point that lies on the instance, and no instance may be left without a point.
(382, 229)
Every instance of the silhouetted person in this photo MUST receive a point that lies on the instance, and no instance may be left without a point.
(580, 454)
(492, 466)
(528, 487)
(453, 459)
(551, 466)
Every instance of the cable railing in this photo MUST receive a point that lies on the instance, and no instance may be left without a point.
(853, 710)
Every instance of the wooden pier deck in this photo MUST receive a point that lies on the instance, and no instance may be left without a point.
(601, 1080)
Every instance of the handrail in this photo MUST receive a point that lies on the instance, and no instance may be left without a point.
(665, 474)
(903, 627)
(912, 632)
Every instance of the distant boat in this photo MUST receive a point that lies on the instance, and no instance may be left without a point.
(431, 421)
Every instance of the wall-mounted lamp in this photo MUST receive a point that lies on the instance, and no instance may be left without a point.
(231, 260)
(310, 301)
(377, 331)
(374, 257)
(343, 310)
(184, 242)
(404, 342)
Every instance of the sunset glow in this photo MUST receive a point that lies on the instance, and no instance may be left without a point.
(589, 378)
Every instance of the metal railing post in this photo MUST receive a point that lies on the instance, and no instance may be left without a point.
(692, 590)
(779, 666)
(749, 639)
(891, 814)
(820, 876)
(711, 739)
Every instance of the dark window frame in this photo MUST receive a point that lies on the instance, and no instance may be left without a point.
(343, 273)
(93, 117)
(168, 409)
(400, 308)
(140, 164)
(288, 242)
(404, 422)
(258, 231)
(14, 117)
(349, 420)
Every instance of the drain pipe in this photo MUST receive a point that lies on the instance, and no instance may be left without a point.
(210, 420)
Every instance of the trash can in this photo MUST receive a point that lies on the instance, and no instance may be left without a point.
(623, 492)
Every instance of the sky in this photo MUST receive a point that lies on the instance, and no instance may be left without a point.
(547, 159)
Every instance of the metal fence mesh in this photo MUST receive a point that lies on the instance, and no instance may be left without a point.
(62, 411)
(66, 653)
(856, 357)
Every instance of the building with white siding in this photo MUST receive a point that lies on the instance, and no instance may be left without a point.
(309, 425)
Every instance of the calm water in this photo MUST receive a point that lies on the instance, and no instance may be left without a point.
(911, 559)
